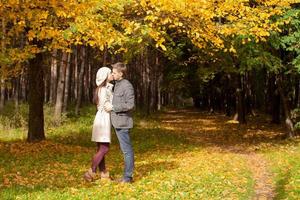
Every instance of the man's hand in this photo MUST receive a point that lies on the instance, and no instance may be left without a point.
(108, 107)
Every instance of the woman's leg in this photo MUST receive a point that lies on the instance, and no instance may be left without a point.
(98, 157)
(102, 167)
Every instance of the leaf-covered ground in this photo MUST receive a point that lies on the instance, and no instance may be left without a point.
(180, 154)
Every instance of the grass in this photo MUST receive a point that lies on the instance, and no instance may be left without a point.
(177, 156)
(285, 165)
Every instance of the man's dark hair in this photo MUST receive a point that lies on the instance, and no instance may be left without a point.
(121, 67)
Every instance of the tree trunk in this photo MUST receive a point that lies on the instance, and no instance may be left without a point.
(23, 87)
(227, 102)
(297, 101)
(142, 62)
(80, 80)
(68, 83)
(90, 82)
(276, 107)
(229, 96)
(288, 121)
(2, 88)
(60, 88)
(240, 102)
(140, 87)
(295, 92)
(153, 75)
(157, 76)
(86, 78)
(249, 103)
(46, 85)
(211, 103)
(36, 99)
(274, 101)
(8, 92)
(159, 96)
(53, 78)
(2, 95)
(146, 79)
(16, 93)
(135, 78)
(105, 56)
(76, 80)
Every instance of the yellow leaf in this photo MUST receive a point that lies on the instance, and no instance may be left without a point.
(232, 122)
(163, 47)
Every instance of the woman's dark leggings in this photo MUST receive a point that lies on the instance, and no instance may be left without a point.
(98, 159)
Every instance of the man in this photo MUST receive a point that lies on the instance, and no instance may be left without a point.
(121, 117)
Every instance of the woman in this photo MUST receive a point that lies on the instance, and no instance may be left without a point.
(102, 126)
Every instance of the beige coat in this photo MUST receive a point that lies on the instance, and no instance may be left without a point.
(102, 125)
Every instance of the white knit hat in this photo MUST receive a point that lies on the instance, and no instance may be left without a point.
(102, 75)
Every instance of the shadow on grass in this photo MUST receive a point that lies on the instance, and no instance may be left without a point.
(216, 130)
(69, 155)
(144, 170)
(143, 139)
(180, 132)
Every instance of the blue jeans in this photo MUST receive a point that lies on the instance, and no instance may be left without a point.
(126, 147)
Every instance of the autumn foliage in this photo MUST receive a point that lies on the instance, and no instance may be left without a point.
(61, 24)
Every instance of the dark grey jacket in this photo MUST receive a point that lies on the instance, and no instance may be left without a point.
(123, 104)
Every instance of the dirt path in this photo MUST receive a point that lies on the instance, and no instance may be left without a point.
(263, 187)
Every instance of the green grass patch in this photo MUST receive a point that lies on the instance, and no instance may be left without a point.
(285, 163)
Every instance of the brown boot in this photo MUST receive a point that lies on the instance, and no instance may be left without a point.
(89, 175)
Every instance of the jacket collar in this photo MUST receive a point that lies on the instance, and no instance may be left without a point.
(120, 80)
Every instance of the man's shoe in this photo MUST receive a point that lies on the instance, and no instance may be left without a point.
(123, 180)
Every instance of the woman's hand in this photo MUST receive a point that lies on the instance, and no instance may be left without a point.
(108, 107)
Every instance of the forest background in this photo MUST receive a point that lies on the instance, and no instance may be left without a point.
(238, 59)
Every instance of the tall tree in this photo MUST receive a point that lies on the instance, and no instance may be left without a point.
(53, 78)
(80, 79)
(67, 84)
(60, 87)
(16, 92)
(36, 99)
(2, 94)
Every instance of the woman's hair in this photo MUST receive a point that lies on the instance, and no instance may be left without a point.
(95, 96)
